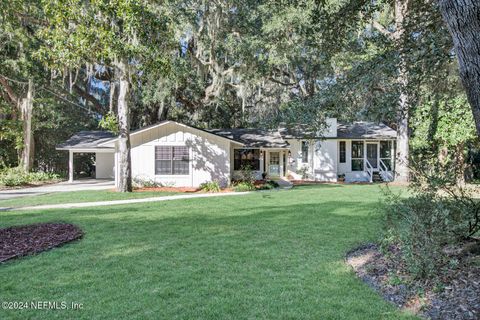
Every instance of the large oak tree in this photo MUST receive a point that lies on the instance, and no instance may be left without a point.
(463, 20)
(128, 37)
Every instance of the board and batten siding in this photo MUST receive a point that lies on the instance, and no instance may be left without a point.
(322, 159)
(104, 165)
(209, 155)
(325, 160)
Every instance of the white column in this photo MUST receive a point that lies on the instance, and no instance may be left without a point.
(364, 155)
(70, 166)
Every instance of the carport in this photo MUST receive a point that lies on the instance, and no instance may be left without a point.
(88, 142)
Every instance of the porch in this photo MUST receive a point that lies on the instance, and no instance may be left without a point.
(368, 160)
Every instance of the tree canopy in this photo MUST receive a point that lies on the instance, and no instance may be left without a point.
(219, 63)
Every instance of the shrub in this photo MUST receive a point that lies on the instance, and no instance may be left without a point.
(246, 174)
(270, 184)
(244, 186)
(211, 186)
(12, 177)
(144, 182)
(422, 225)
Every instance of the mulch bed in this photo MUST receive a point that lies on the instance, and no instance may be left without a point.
(457, 298)
(25, 240)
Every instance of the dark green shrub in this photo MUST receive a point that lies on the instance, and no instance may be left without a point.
(12, 177)
(270, 184)
(422, 225)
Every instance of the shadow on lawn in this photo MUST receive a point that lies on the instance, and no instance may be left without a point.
(201, 259)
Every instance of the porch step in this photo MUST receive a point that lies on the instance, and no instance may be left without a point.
(377, 177)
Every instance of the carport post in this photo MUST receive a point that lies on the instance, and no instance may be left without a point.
(70, 166)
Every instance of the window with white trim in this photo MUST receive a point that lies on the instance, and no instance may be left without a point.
(343, 152)
(305, 151)
(357, 155)
(386, 153)
(172, 160)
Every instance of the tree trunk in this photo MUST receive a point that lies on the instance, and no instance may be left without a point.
(403, 109)
(124, 160)
(461, 166)
(26, 110)
(463, 20)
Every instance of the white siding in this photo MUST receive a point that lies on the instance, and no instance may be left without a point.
(209, 155)
(331, 130)
(322, 159)
(325, 160)
(104, 165)
(295, 163)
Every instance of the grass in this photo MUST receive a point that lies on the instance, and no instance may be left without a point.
(79, 196)
(267, 255)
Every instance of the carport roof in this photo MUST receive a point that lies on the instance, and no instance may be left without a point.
(86, 140)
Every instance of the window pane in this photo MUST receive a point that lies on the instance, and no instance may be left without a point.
(343, 152)
(357, 149)
(246, 157)
(163, 167)
(385, 149)
(304, 151)
(163, 153)
(180, 153)
(181, 167)
(357, 164)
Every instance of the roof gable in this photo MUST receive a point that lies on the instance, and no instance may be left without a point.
(162, 123)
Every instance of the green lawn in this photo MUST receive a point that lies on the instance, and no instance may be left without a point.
(79, 196)
(267, 255)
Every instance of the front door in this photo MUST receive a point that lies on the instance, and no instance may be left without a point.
(372, 154)
(274, 164)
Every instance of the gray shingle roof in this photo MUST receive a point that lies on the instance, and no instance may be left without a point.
(365, 130)
(86, 140)
(297, 132)
(253, 138)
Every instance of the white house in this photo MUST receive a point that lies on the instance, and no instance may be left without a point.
(175, 154)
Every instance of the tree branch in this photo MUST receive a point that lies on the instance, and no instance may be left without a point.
(11, 94)
(288, 84)
(87, 96)
(384, 31)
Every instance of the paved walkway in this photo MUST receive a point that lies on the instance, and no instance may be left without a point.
(77, 185)
(129, 201)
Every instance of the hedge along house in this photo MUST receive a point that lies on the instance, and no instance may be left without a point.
(175, 154)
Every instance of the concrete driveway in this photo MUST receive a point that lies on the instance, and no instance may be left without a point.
(77, 185)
